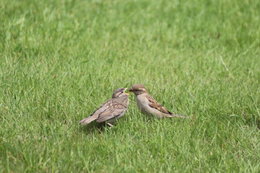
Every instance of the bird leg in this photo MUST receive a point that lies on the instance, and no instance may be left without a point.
(109, 124)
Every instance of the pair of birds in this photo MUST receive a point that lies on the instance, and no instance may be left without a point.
(116, 107)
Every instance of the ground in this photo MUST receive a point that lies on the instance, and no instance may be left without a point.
(59, 60)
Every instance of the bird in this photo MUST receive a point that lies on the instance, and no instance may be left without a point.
(148, 105)
(111, 110)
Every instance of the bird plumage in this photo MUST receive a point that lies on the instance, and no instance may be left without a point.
(111, 110)
(148, 105)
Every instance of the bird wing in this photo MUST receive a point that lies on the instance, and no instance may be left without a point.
(154, 104)
(102, 108)
(114, 108)
(95, 114)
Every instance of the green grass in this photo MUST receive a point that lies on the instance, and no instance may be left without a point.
(59, 60)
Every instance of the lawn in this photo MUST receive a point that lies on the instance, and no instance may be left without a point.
(59, 60)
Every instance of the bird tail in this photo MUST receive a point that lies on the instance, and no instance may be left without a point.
(88, 120)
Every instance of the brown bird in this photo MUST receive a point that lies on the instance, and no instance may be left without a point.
(111, 109)
(149, 105)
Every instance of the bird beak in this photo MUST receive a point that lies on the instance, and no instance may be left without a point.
(130, 90)
(126, 91)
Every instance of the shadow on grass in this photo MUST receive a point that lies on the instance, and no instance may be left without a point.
(154, 120)
(253, 122)
(94, 128)
(98, 128)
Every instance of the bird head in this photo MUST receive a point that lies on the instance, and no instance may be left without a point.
(119, 92)
(138, 89)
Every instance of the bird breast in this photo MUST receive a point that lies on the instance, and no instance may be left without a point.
(142, 103)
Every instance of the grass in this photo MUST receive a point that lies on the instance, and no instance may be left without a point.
(59, 60)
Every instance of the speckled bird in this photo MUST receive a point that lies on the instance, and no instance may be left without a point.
(111, 110)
